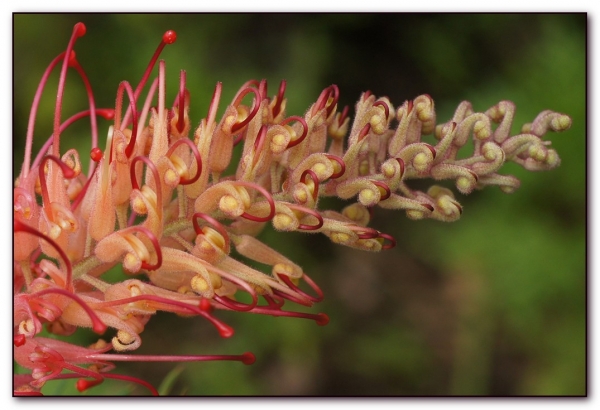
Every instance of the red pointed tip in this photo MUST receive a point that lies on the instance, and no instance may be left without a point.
(106, 113)
(226, 331)
(80, 29)
(19, 340)
(96, 154)
(205, 305)
(99, 327)
(169, 37)
(322, 319)
(248, 358)
(82, 384)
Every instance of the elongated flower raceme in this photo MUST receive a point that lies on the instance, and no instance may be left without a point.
(158, 201)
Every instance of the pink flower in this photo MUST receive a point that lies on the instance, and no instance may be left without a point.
(159, 200)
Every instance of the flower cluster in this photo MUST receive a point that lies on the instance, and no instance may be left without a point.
(167, 202)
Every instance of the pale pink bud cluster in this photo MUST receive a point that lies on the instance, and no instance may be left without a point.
(166, 201)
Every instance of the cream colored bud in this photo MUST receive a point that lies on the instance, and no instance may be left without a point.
(508, 189)
(537, 152)
(358, 213)
(526, 128)
(339, 237)
(139, 206)
(481, 130)
(552, 158)
(388, 170)
(363, 168)
(491, 151)
(336, 131)
(64, 217)
(447, 205)
(132, 263)
(230, 206)
(27, 327)
(368, 197)
(367, 244)
(439, 131)
(321, 170)
(464, 184)
(300, 195)
(378, 123)
(199, 284)
(421, 162)
(437, 191)
(286, 269)
(415, 214)
(171, 178)
(283, 222)
(278, 143)
(561, 123)
(54, 231)
(214, 237)
(124, 341)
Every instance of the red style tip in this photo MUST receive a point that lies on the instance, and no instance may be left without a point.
(205, 305)
(79, 29)
(248, 358)
(96, 154)
(82, 384)
(19, 340)
(225, 331)
(106, 113)
(169, 37)
(99, 327)
(322, 319)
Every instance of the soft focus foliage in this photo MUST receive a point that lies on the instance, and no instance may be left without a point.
(492, 304)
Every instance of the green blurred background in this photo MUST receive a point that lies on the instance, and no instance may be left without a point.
(494, 304)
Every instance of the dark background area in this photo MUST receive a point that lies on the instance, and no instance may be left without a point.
(493, 304)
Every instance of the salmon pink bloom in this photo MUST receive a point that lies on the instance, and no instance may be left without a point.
(162, 200)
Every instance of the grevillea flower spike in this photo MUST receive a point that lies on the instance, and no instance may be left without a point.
(157, 200)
